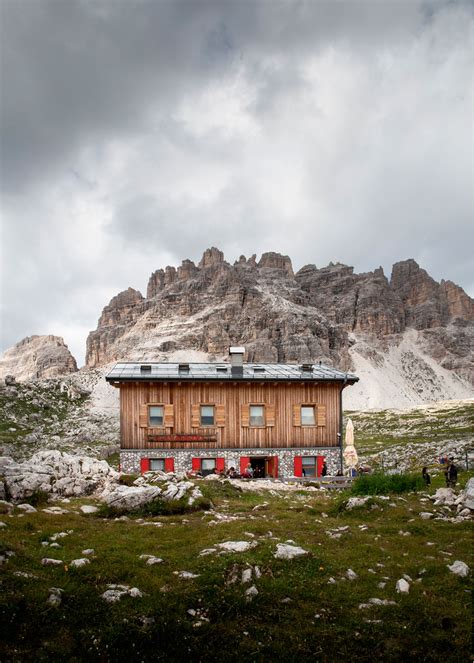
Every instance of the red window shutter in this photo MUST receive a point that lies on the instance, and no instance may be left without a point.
(196, 464)
(169, 464)
(298, 466)
(220, 464)
(275, 467)
(144, 465)
(319, 461)
(244, 461)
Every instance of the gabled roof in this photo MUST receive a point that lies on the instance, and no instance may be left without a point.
(167, 372)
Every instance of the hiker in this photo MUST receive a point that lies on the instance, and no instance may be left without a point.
(324, 469)
(452, 474)
(231, 473)
(426, 476)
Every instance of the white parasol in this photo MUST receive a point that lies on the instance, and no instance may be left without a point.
(350, 454)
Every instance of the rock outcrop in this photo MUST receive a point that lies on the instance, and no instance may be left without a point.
(330, 314)
(37, 357)
(56, 473)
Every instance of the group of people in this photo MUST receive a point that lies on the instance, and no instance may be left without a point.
(450, 472)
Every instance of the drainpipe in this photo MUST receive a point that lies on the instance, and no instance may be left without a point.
(340, 423)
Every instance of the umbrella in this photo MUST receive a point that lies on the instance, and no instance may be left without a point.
(350, 454)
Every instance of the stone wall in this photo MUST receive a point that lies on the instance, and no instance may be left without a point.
(130, 460)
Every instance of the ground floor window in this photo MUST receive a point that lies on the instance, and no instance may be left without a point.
(157, 464)
(208, 466)
(309, 466)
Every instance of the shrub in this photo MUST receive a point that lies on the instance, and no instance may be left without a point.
(37, 498)
(381, 484)
(158, 508)
(127, 479)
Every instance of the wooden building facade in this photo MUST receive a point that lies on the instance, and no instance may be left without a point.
(284, 420)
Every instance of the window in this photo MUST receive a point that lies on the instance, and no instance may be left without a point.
(222, 370)
(157, 464)
(145, 368)
(207, 415)
(309, 466)
(208, 466)
(155, 415)
(257, 415)
(307, 415)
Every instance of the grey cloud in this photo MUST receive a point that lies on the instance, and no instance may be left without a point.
(137, 134)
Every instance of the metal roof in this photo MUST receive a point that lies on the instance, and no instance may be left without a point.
(161, 371)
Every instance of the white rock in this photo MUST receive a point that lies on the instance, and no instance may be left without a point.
(381, 585)
(444, 496)
(151, 561)
(186, 575)
(257, 572)
(402, 586)
(426, 515)
(135, 593)
(459, 568)
(78, 563)
(331, 581)
(54, 599)
(88, 551)
(354, 502)
(286, 551)
(129, 498)
(113, 595)
(351, 575)
(246, 576)
(236, 546)
(251, 593)
(27, 508)
(48, 561)
(88, 508)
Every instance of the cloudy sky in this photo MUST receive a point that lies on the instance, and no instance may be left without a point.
(137, 133)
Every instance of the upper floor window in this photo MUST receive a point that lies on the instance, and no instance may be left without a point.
(207, 415)
(308, 415)
(155, 415)
(257, 415)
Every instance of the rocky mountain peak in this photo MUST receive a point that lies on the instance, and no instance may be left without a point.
(211, 257)
(37, 357)
(274, 260)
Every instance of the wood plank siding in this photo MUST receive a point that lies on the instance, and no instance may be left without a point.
(181, 401)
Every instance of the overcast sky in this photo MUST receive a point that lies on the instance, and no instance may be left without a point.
(136, 134)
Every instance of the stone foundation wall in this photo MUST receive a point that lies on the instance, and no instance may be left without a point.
(130, 459)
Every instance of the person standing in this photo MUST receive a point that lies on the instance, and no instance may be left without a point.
(426, 476)
(452, 473)
(324, 469)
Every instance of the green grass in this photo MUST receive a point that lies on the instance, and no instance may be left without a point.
(320, 622)
(383, 484)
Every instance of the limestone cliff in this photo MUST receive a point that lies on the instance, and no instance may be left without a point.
(330, 314)
(37, 357)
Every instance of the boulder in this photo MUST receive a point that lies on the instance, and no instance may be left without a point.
(402, 586)
(287, 551)
(459, 568)
(444, 497)
(130, 498)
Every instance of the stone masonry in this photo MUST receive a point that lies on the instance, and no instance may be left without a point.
(130, 459)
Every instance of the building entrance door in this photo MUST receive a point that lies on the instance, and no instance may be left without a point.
(271, 466)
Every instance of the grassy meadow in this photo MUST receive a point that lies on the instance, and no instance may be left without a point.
(306, 609)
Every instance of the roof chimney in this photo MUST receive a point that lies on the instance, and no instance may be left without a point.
(237, 360)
